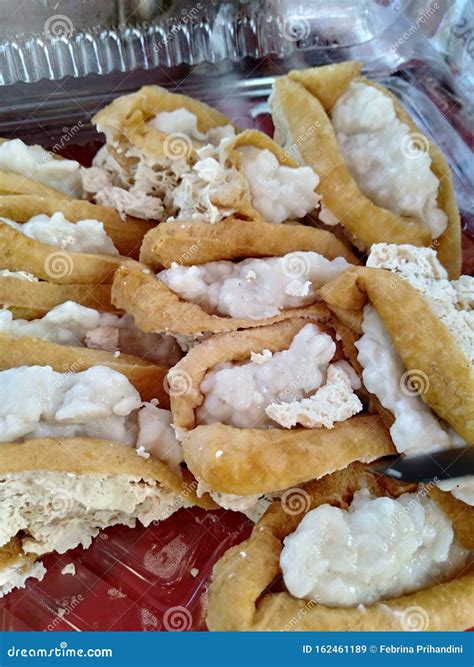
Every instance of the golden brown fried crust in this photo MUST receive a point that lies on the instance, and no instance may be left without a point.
(89, 456)
(255, 461)
(16, 184)
(12, 555)
(30, 300)
(300, 97)
(127, 233)
(158, 309)
(249, 462)
(244, 580)
(124, 120)
(148, 378)
(423, 341)
(21, 253)
(460, 514)
(367, 222)
(193, 243)
(329, 82)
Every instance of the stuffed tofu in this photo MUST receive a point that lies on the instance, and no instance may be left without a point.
(380, 177)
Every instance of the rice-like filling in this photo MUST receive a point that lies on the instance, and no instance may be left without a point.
(37, 402)
(452, 301)
(37, 164)
(287, 378)
(254, 288)
(380, 548)
(416, 428)
(87, 236)
(157, 437)
(21, 275)
(182, 121)
(72, 324)
(278, 192)
(384, 159)
(214, 189)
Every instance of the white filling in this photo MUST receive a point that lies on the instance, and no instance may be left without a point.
(15, 575)
(72, 324)
(254, 507)
(209, 190)
(37, 402)
(254, 288)
(157, 436)
(288, 377)
(60, 511)
(37, 164)
(462, 488)
(333, 402)
(182, 121)
(21, 275)
(451, 301)
(379, 548)
(279, 193)
(86, 236)
(385, 161)
(416, 428)
(212, 189)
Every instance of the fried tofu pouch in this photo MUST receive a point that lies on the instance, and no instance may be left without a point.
(303, 99)
(127, 234)
(257, 461)
(18, 252)
(89, 484)
(148, 378)
(238, 597)
(124, 122)
(407, 317)
(129, 137)
(14, 183)
(157, 308)
(31, 299)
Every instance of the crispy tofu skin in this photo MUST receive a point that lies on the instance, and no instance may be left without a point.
(238, 599)
(305, 98)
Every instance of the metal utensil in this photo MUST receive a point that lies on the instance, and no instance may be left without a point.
(445, 464)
